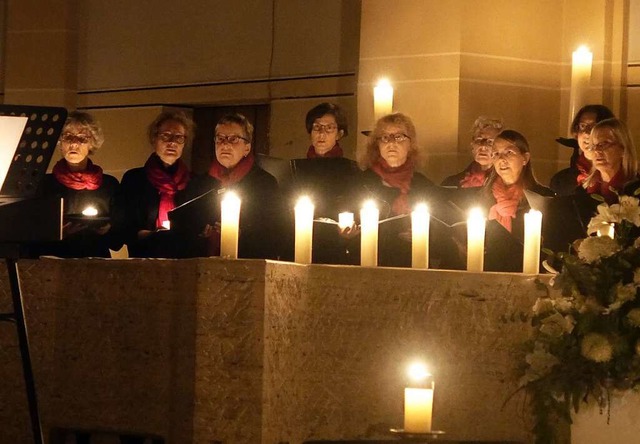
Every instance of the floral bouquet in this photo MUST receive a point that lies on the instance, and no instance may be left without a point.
(586, 330)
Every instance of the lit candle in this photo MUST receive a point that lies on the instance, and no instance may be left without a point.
(475, 240)
(304, 230)
(90, 211)
(581, 62)
(166, 225)
(369, 215)
(382, 99)
(532, 233)
(420, 237)
(607, 230)
(230, 218)
(418, 401)
(345, 220)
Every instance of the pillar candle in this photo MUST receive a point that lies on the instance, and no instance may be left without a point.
(230, 218)
(475, 240)
(369, 215)
(418, 409)
(304, 230)
(345, 220)
(581, 62)
(382, 99)
(420, 237)
(532, 233)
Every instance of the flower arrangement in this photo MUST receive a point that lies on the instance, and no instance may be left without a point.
(586, 330)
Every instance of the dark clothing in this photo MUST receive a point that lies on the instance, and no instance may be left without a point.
(456, 179)
(86, 242)
(261, 214)
(564, 182)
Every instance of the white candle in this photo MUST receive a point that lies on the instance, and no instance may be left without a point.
(345, 220)
(475, 240)
(90, 211)
(608, 230)
(369, 215)
(420, 236)
(304, 230)
(532, 233)
(230, 219)
(418, 401)
(166, 224)
(382, 99)
(581, 62)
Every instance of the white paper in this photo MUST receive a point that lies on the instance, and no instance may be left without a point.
(11, 128)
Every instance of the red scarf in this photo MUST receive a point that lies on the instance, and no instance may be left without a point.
(474, 176)
(584, 166)
(89, 179)
(226, 178)
(167, 184)
(609, 189)
(336, 151)
(400, 178)
(507, 200)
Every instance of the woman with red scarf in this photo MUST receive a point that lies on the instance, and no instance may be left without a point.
(483, 132)
(148, 193)
(390, 178)
(83, 186)
(234, 169)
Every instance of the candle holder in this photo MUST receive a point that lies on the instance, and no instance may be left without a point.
(433, 435)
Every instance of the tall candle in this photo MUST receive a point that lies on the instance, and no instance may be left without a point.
(581, 62)
(382, 99)
(420, 237)
(369, 215)
(532, 233)
(475, 240)
(304, 230)
(345, 220)
(418, 401)
(230, 219)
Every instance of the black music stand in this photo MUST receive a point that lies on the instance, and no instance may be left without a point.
(28, 137)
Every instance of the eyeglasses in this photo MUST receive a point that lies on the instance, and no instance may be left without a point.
(329, 128)
(75, 138)
(480, 141)
(231, 140)
(602, 146)
(170, 137)
(505, 154)
(584, 127)
(398, 138)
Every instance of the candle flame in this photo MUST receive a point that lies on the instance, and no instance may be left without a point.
(476, 213)
(90, 211)
(231, 197)
(166, 224)
(418, 372)
(583, 49)
(384, 82)
(421, 207)
(304, 202)
(369, 205)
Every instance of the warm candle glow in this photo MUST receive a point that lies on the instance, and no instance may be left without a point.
(420, 236)
(475, 240)
(532, 233)
(382, 99)
(345, 220)
(230, 219)
(304, 230)
(418, 401)
(90, 211)
(581, 62)
(369, 216)
(607, 230)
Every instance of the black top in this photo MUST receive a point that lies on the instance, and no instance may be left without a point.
(86, 242)
(454, 180)
(261, 213)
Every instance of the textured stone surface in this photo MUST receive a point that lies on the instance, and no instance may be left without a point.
(209, 350)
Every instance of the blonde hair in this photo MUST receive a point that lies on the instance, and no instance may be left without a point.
(370, 153)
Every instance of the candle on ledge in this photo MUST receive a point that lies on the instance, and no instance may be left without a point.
(90, 211)
(345, 220)
(369, 215)
(475, 240)
(532, 233)
(382, 99)
(607, 230)
(304, 230)
(230, 219)
(418, 401)
(581, 62)
(420, 236)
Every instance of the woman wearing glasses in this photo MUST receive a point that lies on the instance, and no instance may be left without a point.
(483, 132)
(566, 181)
(84, 188)
(234, 169)
(147, 194)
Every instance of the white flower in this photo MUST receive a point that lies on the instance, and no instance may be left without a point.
(592, 248)
(622, 294)
(634, 317)
(629, 209)
(563, 305)
(556, 325)
(540, 364)
(596, 347)
(542, 305)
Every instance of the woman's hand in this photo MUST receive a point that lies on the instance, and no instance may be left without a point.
(209, 230)
(349, 232)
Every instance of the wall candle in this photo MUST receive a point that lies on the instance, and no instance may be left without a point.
(382, 99)
(420, 237)
(230, 219)
(369, 215)
(418, 401)
(475, 240)
(345, 220)
(581, 62)
(304, 230)
(532, 233)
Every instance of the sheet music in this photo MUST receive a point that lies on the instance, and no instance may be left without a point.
(11, 128)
